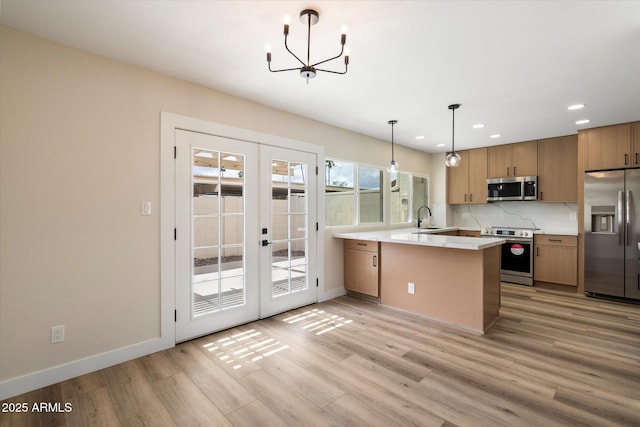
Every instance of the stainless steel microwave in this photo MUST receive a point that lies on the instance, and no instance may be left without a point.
(516, 188)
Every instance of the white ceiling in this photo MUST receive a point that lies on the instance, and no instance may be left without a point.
(513, 65)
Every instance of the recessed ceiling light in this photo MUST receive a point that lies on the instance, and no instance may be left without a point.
(581, 122)
(495, 135)
(440, 145)
(575, 107)
(420, 137)
(478, 126)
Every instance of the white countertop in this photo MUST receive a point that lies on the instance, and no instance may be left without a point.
(424, 237)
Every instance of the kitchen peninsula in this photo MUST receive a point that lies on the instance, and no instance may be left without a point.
(449, 278)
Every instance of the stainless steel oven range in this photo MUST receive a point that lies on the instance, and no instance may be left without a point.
(516, 265)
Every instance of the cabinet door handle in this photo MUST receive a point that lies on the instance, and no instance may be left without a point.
(375, 260)
(514, 171)
(361, 244)
(465, 197)
(507, 170)
(538, 251)
(542, 195)
(555, 240)
(636, 158)
(471, 197)
(626, 159)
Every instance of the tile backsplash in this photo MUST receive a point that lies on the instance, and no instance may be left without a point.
(548, 217)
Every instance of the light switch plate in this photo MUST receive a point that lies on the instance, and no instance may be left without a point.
(145, 208)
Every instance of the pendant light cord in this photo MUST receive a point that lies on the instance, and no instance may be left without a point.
(392, 157)
(453, 132)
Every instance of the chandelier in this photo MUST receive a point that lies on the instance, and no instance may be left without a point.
(308, 70)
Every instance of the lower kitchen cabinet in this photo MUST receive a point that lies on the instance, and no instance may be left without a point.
(362, 267)
(556, 259)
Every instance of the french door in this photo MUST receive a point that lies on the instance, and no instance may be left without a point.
(228, 204)
(288, 224)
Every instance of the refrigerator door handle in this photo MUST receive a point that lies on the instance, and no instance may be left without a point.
(627, 228)
(619, 222)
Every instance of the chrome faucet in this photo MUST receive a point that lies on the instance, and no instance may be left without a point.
(419, 217)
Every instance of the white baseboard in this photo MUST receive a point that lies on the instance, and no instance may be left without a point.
(46, 377)
(335, 293)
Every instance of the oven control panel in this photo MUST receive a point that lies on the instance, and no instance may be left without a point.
(507, 232)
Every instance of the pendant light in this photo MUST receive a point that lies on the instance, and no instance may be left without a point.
(393, 165)
(453, 158)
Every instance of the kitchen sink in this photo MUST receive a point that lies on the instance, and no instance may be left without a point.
(427, 230)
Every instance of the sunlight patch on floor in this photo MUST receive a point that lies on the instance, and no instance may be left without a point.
(318, 321)
(244, 347)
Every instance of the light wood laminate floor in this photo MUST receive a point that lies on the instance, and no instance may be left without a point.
(553, 359)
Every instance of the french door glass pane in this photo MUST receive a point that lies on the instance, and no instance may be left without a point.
(218, 279)
(288, 227)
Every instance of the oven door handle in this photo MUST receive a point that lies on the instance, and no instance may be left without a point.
(519, 240)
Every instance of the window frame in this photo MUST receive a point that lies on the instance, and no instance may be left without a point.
(385, 192)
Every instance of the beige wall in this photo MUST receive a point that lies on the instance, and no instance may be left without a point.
(79, 151)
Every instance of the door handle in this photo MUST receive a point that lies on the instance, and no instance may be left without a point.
(375, 260)
(619, 223)
(471, 197)
(627, 228)
(507, 170)
(538, 251)
(626, 159)
(514, 171)
(266, 243)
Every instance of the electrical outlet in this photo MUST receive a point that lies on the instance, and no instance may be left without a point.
(57, 334)
(411, 288)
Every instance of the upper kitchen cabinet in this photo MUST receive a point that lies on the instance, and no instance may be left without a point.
(610, 147)
(635, 143)
(558, 169)
(467, 183)
(520, 159)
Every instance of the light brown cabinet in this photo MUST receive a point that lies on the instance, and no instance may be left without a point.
(558, 169)
(556, 259)
(611, 147)
(509, 160)
(362, 267)
(467, 183)
(635, 144)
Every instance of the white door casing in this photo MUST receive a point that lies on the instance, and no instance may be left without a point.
(172, 126)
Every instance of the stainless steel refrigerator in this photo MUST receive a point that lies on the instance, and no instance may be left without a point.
(612, 234)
